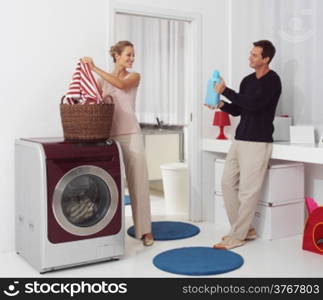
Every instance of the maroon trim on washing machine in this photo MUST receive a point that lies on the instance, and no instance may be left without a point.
(61, 158)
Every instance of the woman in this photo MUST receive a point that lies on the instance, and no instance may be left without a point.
(122, 86)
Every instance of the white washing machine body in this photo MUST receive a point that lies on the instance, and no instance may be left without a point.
(56, 224)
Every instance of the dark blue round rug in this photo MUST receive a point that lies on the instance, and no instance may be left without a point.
(169, 230)
(127, 200)
(198, 261)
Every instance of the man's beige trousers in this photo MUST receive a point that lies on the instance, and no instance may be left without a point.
(244, 173)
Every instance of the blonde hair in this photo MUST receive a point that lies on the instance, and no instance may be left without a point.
(118, 48)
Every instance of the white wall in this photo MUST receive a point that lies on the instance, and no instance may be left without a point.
(42, 39)
(295, 27)
(40, 43)
(215, 40)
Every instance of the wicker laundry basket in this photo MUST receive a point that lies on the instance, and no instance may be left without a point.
(88, 122)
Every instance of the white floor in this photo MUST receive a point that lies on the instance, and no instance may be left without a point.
(278, 258)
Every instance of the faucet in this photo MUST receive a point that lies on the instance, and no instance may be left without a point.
(159, 123)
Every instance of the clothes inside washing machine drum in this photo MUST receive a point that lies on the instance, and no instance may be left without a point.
(82, 202)
(81, 210)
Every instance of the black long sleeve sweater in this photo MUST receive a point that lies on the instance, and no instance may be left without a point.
(256, 103)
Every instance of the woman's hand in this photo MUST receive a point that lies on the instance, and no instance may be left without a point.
(89, 61)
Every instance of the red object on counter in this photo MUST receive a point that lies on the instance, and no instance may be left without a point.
(221, 119)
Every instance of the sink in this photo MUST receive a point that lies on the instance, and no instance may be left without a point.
(148, 129)
(164, 128)
(173, 127)
(148, 126)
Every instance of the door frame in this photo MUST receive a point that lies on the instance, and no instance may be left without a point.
(194, 84)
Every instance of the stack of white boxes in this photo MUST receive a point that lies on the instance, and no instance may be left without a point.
(280, 213)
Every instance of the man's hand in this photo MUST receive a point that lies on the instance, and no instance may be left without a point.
(218, 106)
(220, 87)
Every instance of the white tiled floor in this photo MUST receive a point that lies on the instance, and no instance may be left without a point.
(278, 258)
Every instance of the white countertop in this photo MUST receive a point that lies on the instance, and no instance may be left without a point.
(308, 153)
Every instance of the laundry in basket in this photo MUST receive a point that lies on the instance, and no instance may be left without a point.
(84, 115)
(83, 88)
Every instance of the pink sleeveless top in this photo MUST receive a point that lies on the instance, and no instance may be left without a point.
(124, 119)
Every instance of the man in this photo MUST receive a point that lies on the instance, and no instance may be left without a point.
(247, 160)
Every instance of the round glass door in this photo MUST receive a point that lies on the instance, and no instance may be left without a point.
(85, 200)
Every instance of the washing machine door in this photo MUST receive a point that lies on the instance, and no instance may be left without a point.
(85, 200)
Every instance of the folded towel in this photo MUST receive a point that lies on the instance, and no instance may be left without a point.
(83, 88)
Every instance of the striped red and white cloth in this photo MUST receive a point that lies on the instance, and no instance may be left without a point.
(83, 88)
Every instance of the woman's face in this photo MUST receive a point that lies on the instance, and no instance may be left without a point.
(126, 58)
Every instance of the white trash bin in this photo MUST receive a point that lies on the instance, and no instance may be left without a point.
(175, 185)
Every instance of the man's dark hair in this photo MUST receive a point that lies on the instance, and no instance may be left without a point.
(268, 49)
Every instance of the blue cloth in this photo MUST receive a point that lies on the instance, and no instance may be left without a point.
(169, 230)
(127, 200)
(198, 261)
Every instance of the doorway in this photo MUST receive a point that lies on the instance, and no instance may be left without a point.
(168, 56)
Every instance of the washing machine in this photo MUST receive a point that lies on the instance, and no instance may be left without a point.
(68, 202)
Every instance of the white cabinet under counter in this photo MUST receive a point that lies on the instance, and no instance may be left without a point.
(213, 149)
(280, 210)
(161, 147)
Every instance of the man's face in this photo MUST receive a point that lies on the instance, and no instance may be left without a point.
(255, 59)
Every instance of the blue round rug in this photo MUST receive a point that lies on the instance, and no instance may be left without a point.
(198, 261)
(169, 230)
(127, 200)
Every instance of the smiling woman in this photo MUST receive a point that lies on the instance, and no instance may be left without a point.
(121, 85)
